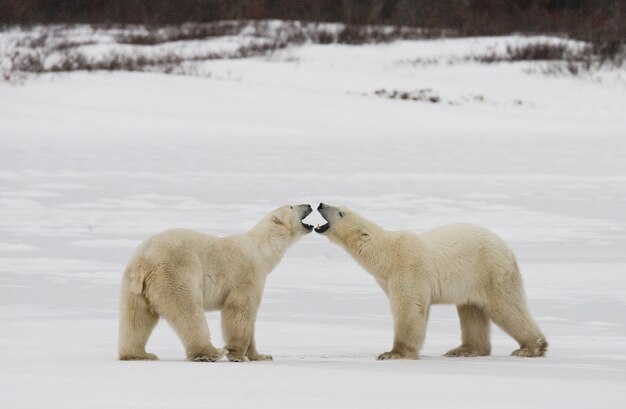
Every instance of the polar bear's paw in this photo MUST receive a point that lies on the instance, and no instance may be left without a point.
(209, 356)
(261, 357)
(394, 355)
(232, 357)
(535, 349)
(528, 353)
(464, 351)
(146, 356)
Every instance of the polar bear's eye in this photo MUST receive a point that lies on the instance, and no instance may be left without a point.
(340, 214)
(291, 207)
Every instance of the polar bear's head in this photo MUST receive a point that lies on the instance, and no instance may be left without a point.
(344, 226)
(286, 221)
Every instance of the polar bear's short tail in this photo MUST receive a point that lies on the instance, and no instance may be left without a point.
(135, 281)
(136, 273)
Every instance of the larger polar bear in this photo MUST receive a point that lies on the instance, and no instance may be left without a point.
(460, 264)
(179, 274)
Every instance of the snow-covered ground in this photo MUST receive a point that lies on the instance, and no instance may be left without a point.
(91, 164)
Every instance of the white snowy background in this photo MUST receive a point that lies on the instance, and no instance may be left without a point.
(93, 163)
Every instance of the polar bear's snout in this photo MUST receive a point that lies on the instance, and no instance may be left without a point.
(303, 211)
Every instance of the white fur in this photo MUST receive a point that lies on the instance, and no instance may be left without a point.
(179, 274)
(460, 264)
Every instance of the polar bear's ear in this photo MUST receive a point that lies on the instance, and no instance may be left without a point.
(276, 220)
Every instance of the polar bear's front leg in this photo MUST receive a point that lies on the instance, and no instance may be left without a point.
(475, 327)
(410, 313)
(238, 318)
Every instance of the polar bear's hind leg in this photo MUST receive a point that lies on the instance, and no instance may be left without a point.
(515, 319)
(137, 321)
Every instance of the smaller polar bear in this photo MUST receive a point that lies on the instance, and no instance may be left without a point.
(179, 274)
(460, 264)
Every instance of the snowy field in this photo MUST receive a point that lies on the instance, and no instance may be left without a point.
(93, 163)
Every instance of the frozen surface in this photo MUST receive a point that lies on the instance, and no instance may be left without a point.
(94, 163)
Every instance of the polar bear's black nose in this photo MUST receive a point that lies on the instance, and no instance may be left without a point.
(321, 206)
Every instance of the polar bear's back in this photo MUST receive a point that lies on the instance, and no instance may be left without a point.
(166, 243)
(464, 236)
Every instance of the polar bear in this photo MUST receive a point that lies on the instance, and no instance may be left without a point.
(460, 264)
(178, 274)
